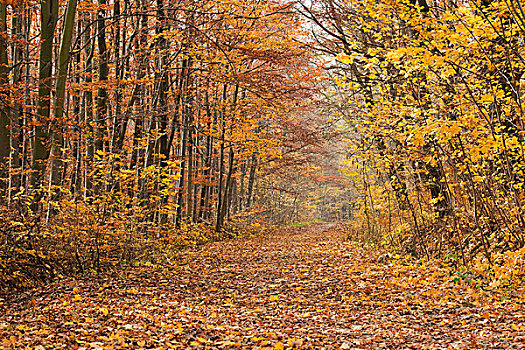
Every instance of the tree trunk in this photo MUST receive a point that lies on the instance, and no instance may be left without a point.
(180, 109)
(17, 137)
(189, 165)
(118, 73)
(241, 187)
(103, 72)
(205, 189)
(87, 104)
(48, 21)
(63, 67)
(5, 137)
(220, 188)
(251, 181)
(180, 198)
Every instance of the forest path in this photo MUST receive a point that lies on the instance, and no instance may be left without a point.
(301, 287)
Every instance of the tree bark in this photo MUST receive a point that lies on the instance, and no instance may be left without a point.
(220, 188)
(103, 73)
(251, 181)
(63, 67)
(48, 21)
(5, 143)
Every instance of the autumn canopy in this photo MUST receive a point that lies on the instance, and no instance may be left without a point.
(133, 130)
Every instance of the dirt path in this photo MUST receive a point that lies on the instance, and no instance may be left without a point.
(298, 288)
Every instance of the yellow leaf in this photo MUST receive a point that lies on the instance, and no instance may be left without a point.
(224, 343)
(201, 340)
(395, 55)
(279, 346)
(344, 58)
(274, 298)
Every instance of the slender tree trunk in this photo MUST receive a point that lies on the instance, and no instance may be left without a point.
(227, 186)
(180, 198)
(198, 169)
(251, 181)
(118, 73)
(189, 180)
(232, 186)
(188, 106)
(77, 153)
(220, 188)
(241, 187)
(182, 122)
(5, 137)
(24, 138)
(16, 130)
(161, 76)
(87, 104)
(205, 189)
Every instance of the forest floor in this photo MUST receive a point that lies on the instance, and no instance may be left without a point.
(302, 287)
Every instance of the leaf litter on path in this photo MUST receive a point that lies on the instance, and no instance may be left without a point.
(298, 288)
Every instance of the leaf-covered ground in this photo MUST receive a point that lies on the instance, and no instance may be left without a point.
(297, 288)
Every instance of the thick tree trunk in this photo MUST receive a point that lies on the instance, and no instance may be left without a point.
(64, 57)
(48, 20)
(103, 73)
(63, 67)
